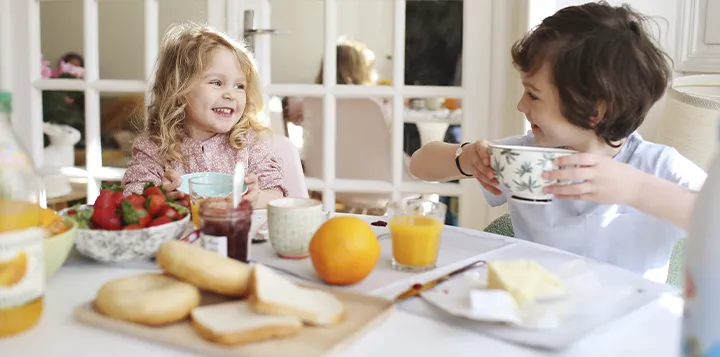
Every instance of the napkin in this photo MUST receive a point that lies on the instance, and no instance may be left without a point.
(468, 297)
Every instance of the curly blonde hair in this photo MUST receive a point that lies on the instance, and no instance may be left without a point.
(354, 64)
(184, 55)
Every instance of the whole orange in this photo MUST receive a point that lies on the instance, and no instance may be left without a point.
(344, 250)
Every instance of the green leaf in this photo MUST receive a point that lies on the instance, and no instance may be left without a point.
(180, 209)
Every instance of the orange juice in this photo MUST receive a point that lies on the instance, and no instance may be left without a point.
(195, 212)
(22, 253)
(21, 266)
(415, 240)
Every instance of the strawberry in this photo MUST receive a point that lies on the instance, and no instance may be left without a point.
(132, 227)
(160, 221)
(155, 204)
(181, 210)
(137, 201)
(153, 190)
(117, 198)
(171, 213)
(132, 215)
(106, 218)
(185, 202)
(104, 199)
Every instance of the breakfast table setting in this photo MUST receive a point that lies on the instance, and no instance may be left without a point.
(647, 325)
(203, 273)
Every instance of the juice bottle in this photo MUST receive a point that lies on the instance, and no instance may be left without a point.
(701, 318)
(22, 264)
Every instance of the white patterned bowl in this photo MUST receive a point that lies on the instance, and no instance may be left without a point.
(124, 246)
(519, 170)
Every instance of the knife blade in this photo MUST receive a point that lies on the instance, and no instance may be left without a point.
(418, 288)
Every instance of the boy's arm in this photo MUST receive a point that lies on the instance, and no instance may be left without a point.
(665, 200)
(435, 161)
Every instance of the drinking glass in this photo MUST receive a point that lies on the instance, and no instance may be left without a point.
(415, 226)
(207, 186)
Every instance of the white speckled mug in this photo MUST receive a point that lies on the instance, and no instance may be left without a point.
(292, 222)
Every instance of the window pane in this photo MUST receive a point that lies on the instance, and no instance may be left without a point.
(61, 34)
(121, 39)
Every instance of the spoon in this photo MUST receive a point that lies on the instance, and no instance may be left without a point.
(238, 183)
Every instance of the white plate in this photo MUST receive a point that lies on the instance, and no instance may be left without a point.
(582, 317)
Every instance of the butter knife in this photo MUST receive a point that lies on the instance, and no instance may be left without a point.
(416, 289)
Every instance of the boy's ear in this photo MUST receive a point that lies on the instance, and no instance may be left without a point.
(599, 113)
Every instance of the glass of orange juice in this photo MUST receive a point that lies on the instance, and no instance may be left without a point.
(415, 226)
(207, 186)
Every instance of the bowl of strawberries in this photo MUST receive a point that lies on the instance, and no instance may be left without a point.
(117, 228)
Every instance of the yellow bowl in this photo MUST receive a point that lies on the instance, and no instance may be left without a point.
(57, 249)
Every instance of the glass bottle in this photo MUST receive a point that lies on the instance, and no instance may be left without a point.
(225, 229)
(22, 262)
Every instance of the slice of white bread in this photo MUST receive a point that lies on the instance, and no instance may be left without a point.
(273, 294)
(235, 323)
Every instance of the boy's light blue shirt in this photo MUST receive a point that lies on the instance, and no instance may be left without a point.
(615, 234)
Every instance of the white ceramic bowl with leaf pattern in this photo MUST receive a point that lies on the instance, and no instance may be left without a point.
(124, 246)
(519, 170)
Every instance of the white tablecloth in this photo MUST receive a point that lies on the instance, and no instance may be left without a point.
(652, 330)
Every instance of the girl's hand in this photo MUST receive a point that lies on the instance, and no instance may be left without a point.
(253, 191)
(478, 156)
(171, 181)
(599, 179)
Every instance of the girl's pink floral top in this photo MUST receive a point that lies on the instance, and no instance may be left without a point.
(212, 155)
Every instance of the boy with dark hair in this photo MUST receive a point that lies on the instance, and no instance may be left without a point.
(591, 74)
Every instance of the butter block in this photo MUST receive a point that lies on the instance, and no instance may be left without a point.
(524, 280)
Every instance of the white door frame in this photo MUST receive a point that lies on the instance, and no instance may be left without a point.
(486, 110)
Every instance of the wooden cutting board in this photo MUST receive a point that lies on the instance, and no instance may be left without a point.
(363, 312)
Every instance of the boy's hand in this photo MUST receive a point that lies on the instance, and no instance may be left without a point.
(171, 181)
(475, 159)
(253, 192)
(602, 179)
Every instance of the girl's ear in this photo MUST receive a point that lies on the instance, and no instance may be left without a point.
(599, 113)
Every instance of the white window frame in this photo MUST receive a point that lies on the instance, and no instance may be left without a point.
(489, 88)
(477, 32)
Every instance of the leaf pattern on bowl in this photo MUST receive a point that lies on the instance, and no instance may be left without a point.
(509, 155)
(524, 169)
(530, 185)
(546, 161)
(498, 168)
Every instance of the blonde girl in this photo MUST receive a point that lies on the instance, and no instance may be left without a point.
(202, 116)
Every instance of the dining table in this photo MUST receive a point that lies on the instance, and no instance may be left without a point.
(652, 329)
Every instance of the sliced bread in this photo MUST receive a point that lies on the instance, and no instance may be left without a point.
(273, 294)
(235, 323)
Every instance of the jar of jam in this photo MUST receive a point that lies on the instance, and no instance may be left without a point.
(224, 229)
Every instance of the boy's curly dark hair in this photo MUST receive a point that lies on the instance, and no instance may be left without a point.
(601, 56)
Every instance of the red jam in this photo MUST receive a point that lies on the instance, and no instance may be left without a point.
(225, 229)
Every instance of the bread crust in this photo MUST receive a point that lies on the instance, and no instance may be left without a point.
(206, 270)
(150, 299)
